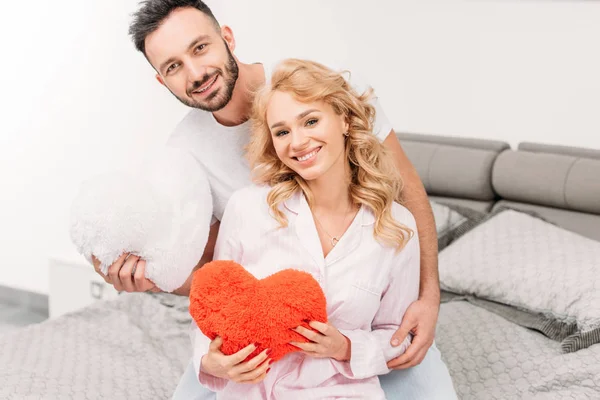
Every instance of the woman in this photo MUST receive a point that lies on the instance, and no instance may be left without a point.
(325, 203)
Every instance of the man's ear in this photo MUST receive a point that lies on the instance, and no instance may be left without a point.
(227, 35)
(160, 79)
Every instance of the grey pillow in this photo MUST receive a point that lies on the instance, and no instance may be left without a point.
(534, 273)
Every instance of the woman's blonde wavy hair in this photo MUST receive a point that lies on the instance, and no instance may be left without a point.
(375, 181)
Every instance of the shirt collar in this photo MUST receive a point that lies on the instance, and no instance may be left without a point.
(297, 202)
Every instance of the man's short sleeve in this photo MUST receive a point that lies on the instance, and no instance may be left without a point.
(382, 125)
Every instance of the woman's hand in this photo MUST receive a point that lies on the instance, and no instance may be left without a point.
(327, 342)
(233, 367)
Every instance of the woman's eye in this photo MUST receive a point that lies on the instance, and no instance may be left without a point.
(311, 121)
(281, 133)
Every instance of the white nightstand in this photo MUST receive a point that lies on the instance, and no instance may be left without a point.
(73, 284)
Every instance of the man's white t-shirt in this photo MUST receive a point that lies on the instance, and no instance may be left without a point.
(220, 149)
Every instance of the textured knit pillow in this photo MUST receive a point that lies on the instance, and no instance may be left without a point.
(518, 260)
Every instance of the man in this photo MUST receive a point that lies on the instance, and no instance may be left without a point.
(193, 58)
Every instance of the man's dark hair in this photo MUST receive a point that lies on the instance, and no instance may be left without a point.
(152, 13)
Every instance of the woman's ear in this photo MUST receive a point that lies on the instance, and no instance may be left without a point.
(346, 125)
(227, 35)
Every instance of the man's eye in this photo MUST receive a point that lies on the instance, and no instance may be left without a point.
(200, 47)
(281, 133)
(311, 121)
(172, 67)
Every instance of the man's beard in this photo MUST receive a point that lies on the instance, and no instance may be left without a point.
(218, 98)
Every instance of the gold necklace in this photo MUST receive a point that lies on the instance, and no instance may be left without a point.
(334, 239)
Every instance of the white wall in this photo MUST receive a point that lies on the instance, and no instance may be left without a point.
(76, 98)
(508, 70)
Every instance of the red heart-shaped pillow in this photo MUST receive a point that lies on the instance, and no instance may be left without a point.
(227, 301)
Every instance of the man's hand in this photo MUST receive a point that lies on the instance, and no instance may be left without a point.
(127, 274)
(233, 367)
(420, 320)
(327, 342)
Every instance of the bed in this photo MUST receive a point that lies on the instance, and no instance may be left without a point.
(137, 346)
(488, 355)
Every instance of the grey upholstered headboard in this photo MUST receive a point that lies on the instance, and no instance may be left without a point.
(561, 184)
(455, 170)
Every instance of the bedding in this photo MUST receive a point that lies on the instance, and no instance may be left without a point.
(136, 347)
(133, 347)
(492, 358)
(518, 260)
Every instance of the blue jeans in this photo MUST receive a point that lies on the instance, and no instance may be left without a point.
(429, 380)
